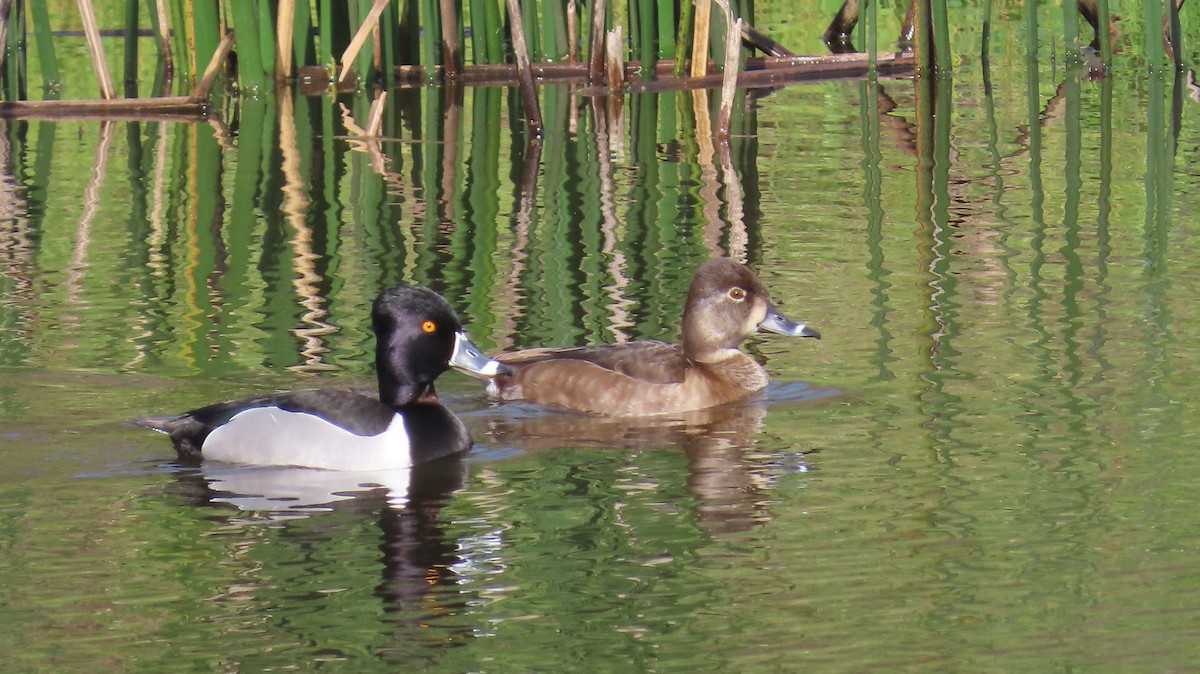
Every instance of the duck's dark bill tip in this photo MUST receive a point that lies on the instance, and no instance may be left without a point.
(778, 324)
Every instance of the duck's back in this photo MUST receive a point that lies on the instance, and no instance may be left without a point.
(647, 361)
(633, 379)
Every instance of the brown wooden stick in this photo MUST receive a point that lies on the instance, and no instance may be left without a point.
(533, 110)
(160, 108)
(614, 67)
(760, 41)
(360, 38)
(572, 30)
(375, 116)
(452, 57)
(759, 71)
(595, 71)
(700, 31)
(205, 85)
(729, 76)
(103, 78)
(164, 39)
(285, 22)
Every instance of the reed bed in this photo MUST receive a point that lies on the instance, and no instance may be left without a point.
(339, 44)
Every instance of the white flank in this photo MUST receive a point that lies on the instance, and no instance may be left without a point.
(269, 436)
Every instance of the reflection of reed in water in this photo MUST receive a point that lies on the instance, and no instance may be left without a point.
(18, 265)
(609, 131)
(307, 278)
(83, 232)
(265, 247)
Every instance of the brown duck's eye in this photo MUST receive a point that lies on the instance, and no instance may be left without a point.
(737, 294)
(429, 326)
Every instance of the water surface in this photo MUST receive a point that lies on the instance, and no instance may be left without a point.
(985, 464)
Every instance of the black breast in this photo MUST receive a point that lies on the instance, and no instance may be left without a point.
(434, 432)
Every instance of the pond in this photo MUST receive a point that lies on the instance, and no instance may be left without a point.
(986, 464)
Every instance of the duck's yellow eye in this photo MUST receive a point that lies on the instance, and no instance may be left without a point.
(737, 294)
(429, 326)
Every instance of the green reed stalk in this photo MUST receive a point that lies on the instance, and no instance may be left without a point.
(941, 37)
(364, 62)
(645, 36)
(1105, 35)
(252, 70)
(388, 24)
(183, 27)
(45, 46)
(922, 46)
(131, 47)
(1152, 32)
(496, 35)
(985, 45)
(408, 48)
(533, 38)
(431, 31)
(1175, 32)
(266, 40)
(664, 18)
(1070, 33)
(325, 33)
(303, 50)
(16, 70)
(477, 19)
(207, 26)
(871, 32)
(683, 40)
(1031, 33)
(554, 30)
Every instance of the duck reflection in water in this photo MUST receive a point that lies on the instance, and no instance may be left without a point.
(417, 557)
(729, 485)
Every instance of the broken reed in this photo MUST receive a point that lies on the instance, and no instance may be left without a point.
(275, 39)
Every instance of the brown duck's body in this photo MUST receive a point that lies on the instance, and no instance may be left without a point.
(725, 305)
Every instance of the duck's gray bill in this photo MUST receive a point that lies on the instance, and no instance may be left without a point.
(469, 359)
(777, 323)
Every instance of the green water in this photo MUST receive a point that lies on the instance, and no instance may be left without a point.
(986, 464)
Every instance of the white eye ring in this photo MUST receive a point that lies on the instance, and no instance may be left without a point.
(737, 294)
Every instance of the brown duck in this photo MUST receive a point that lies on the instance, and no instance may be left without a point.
(726, 303)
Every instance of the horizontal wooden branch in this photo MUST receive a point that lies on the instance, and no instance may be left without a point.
(156, 108)
(760, 71)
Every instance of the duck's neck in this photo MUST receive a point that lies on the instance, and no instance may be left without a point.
(400, 394)
(739, 369)
(694, 338)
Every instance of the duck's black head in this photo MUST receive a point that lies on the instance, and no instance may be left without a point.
(415, 335)
(727, 303)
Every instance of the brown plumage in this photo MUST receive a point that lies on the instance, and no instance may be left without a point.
(726, 303)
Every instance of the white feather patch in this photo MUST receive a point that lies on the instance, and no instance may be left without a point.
(269, 436)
